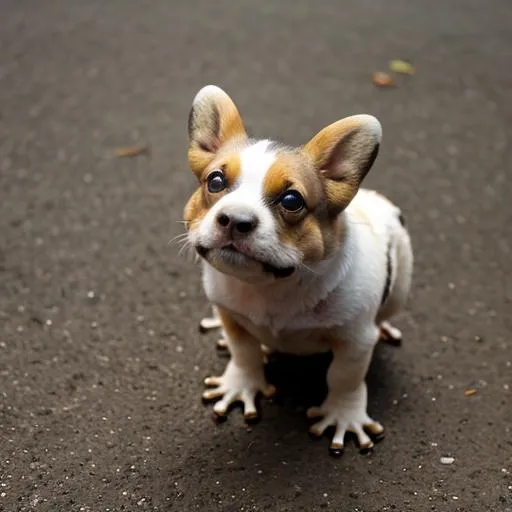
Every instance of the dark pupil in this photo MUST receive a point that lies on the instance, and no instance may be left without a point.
(292, 201)
(216, 182)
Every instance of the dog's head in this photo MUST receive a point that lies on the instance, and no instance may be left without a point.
(263, 209)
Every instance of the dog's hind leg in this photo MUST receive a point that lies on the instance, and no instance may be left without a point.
(401, 264)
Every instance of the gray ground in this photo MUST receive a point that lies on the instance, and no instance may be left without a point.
(101, 364)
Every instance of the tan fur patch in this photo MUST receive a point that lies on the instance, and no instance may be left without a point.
(195, 209)
(344, 152)
(199, 159)
(312, 230)
(231, 125)
(291, 170)
(307, 236)
(339, 195)
(231, 165)
(279, 177)
(213, 122)
(202, 200)
(321, 146)
(232, 328)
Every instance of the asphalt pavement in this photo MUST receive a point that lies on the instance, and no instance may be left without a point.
(101, 361)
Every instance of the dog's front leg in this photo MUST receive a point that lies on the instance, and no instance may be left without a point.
(346, 402)
(210, 323)
(243, 377)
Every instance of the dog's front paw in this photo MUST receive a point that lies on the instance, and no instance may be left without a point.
(346, 415)
(237, 385)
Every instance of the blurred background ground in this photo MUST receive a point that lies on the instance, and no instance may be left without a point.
(101, 363)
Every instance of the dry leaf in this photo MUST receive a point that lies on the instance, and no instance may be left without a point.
(131, 151)
(401, 66)
(470, 392)
(381, 79)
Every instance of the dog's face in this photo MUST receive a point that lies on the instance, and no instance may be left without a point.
(262, 209)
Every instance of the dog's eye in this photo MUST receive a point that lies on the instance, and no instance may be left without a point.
(292, 201)
(216, 182)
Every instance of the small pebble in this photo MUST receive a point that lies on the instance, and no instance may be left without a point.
(447, 460)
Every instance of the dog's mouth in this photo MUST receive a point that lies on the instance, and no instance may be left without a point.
(236, 257)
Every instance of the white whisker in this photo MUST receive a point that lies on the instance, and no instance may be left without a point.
(186, 246)
(309, 269)
(178, 238)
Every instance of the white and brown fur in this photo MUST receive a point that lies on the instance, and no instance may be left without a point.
(327, 277)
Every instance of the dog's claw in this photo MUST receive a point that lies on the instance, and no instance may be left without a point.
(389, 334)
(219, 418)
(314, 412)
(336, 450)
(375, 431)
(212, 381)
(269, 391)
(209, 324)
(315, 433)
(210, 395)
(364, 450)
(251, 417)
(222, 344)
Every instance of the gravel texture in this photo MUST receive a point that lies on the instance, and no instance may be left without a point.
(101, 362)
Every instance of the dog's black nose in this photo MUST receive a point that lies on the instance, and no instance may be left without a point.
(241, 224)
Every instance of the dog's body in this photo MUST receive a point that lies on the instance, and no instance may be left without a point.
(296, 257)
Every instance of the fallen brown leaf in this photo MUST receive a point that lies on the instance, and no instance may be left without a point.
(131, 151)
(470, 392)
(381, 79)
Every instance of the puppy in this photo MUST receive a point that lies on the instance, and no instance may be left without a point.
(296, 257)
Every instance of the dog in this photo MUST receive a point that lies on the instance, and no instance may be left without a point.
(297, 258)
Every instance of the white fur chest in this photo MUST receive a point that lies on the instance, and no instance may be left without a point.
(312, 302)
(294, 307)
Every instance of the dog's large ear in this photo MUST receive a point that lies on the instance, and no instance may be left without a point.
(343, 153)
(213, 121)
